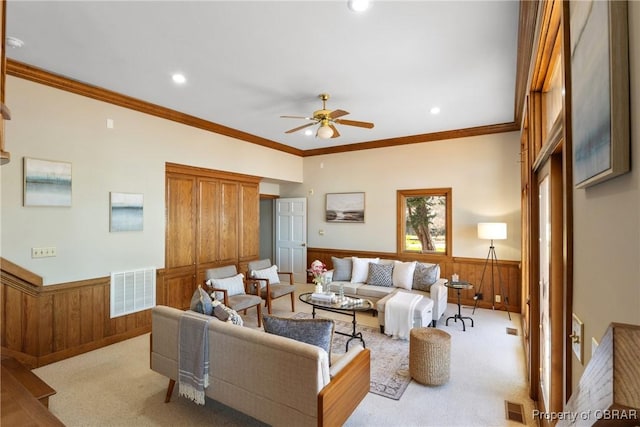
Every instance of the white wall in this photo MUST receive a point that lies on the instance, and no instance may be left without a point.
(607, 233)
(483, 172)
(51, 124)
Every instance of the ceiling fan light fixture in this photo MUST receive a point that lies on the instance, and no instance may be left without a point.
(324, 132)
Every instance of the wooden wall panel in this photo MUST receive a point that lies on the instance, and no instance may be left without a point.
(469, 269)
(208, 220)
(229, 215)
(249, 222)
(44, 324)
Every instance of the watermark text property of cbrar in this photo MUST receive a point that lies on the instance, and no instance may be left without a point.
(595, 415)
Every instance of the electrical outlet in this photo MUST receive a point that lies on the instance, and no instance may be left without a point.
(498, 298)
(43, 252)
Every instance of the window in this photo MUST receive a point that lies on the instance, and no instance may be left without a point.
(424, 221)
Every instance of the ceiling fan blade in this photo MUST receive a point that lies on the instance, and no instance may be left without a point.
(367, 125)
(335, 131)
(297, 117)
(337, 113)
(299, 127)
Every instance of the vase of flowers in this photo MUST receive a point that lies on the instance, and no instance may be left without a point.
(317, 270)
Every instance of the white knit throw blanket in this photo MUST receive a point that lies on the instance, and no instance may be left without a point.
(398, 314)
(193, 358)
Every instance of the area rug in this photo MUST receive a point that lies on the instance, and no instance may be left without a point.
(389, 358)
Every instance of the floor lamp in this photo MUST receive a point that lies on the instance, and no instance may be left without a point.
(492, 231)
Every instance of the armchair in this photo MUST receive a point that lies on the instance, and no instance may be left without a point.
(233, 289)
(264, 273)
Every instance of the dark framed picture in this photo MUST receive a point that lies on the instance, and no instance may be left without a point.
(345, 207)
(47, 183)
(600, 90)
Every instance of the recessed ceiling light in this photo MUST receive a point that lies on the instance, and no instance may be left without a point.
(308, 132)
(14, 42)
(179, 78)
(358, 5)
(435, 110)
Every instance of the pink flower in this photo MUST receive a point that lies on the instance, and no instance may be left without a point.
(318, 268)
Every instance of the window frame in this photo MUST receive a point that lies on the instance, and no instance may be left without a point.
(401, 204)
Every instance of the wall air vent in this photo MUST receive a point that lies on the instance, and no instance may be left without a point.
(132, 291)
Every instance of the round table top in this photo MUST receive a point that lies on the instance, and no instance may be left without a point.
(459, 285)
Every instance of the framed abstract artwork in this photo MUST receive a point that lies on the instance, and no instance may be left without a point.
(345, 207)
(599, 90)
(46, 183)
(126, 212)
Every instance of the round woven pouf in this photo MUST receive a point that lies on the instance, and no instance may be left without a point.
(429, 355)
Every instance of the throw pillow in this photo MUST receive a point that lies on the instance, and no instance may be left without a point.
(403, 274)
(360, 269)
(425, 275)
(341, 268)
(201, 302)
(270, 273)
(226, 314)
(318, 332)
(234, 285)
(380, 274)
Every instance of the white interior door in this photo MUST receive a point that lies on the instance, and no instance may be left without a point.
(291, 237)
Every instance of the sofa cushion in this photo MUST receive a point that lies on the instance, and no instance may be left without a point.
(201, 302)
(380, 274)
(360, 269)
(318, 332)
(234, 285)
(425, 275)
(341, 268)
(226, 314)
(270, 273)
(403, 274)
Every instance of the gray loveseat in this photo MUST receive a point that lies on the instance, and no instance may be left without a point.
(274, 379)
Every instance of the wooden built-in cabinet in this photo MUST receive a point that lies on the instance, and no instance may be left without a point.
(212, 220)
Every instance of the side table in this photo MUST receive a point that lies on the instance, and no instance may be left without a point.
(458, 286)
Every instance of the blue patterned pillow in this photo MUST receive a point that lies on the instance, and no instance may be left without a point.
(341, 269)
(201, 302)
(380, 274)
(318, 332)
(425, 275)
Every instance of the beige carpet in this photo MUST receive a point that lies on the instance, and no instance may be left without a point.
(114, 386)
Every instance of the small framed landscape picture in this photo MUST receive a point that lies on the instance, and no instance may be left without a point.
(126, 212)
(345, 207)
(47, 183)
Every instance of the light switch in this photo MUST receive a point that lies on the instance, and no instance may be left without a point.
(577, 337)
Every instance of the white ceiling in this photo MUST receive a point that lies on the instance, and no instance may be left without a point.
(249, 62)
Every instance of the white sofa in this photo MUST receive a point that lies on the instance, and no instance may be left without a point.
(274, 379)
(438, 292)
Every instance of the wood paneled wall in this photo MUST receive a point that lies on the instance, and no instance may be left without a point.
(45, 324)
(469, 270)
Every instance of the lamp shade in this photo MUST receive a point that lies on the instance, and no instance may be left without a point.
(492, 230)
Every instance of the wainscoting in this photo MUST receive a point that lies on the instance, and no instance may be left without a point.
(45, 324)
(469, 270)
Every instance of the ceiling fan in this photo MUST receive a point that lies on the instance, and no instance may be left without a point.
(327, 120)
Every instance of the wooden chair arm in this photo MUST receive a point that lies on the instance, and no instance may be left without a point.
(225, 294)
(287, 273)
(256, 281)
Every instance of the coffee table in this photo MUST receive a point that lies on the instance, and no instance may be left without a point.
(348, 310)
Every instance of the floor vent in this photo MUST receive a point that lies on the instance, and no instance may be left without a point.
(132, 291)
(512, 331)
(514, 411)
